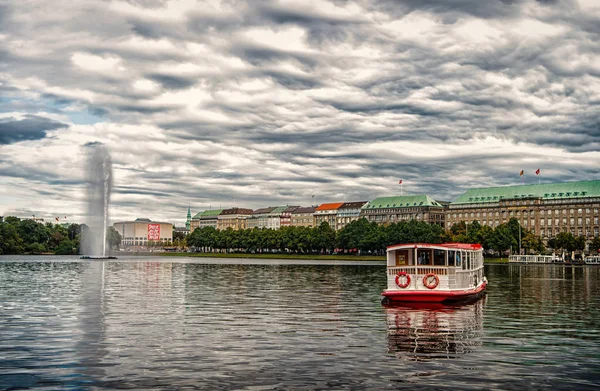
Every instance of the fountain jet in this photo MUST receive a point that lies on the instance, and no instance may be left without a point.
(99, 184)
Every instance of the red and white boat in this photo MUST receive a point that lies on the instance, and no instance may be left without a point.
(434, 273)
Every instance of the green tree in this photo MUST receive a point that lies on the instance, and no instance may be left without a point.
(503, 239)
(10, 241)
(66, 247)
(595, 245)
(565, 241)
(113, 238)
(532, 243)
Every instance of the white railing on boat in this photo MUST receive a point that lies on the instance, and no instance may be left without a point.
(421, 270)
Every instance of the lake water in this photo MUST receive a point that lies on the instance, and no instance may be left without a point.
(182, 323)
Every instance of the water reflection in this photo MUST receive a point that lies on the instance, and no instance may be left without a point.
(434, 331)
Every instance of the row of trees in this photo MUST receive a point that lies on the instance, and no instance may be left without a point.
(373, 238)
(28, 236)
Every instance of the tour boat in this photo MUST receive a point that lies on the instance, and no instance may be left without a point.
(535, 259)
(440, 273)
(592, 260)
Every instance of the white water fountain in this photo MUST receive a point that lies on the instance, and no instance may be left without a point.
(99, 184)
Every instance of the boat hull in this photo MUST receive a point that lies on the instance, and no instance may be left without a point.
(434, 296)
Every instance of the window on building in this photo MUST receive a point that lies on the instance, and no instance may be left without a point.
(579, 221)
(572, 221)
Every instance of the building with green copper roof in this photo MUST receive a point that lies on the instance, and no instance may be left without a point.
(544, 191)
(544, 209)
(208, 218)
(393, 209)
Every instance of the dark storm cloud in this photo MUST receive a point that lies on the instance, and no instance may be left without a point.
(482, 9)
(172, 81)
(31, 127)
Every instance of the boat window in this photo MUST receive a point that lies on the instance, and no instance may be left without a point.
(439, 257)
(423, 257)
(457, 258)
(451, 257)
(464, 259)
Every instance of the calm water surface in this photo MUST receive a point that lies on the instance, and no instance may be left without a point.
(138, 323)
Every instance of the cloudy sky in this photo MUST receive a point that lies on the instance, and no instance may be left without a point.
(256, 103)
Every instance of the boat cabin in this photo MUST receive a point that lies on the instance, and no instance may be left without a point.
(447, 266)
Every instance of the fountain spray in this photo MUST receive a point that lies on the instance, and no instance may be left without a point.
(99, 184)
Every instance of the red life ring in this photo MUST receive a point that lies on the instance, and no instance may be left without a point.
(405, 284)
(431, 283)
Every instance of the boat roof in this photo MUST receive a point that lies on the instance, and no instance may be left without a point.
(459, 246)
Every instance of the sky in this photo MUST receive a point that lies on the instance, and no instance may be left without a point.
(214, 104)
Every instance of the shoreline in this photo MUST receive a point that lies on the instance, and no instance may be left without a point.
(315, 257)
(374, 258)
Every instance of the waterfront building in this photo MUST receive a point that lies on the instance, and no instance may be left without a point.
(303, 217)
(386, 210)
(208, 218)
(235, 218)
(544, 209)
(349, 212)
(260, 218)
(272, 217)
(182, 230)
(327, 213)
(285, 217)
(141, 232)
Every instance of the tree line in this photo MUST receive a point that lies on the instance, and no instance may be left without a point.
(20, 236)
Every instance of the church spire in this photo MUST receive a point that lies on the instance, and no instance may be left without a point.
(189, 219)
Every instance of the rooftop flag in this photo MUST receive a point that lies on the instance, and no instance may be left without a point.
(400, 182)
(537, 172)
(521, 173)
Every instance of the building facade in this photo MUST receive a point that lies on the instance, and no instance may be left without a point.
(234, 218)
(208, 218)
(303, 217)
(142, 232)
(544, 209)
(349, 212)
(260, 217)
(387, 210)
(285, 217)
(327, 213)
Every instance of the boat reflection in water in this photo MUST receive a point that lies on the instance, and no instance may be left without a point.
(434, 331)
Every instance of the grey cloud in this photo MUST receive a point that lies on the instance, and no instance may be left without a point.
(171, 81)
(32, 127)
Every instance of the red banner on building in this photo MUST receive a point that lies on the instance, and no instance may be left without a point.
(153, 231)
